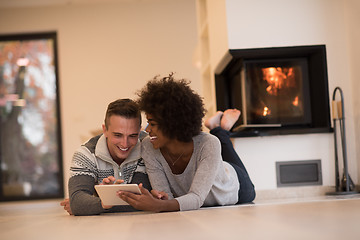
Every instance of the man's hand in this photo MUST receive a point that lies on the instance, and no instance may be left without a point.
(111, 180)
(66, 204)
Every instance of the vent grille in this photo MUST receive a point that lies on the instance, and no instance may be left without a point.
(298, 173)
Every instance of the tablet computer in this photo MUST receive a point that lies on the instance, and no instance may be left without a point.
(107, 193)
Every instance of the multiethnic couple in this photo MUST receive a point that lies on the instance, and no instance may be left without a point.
(176, 165)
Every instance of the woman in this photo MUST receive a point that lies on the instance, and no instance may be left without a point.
(187, 168)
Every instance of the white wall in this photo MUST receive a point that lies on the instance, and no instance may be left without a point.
(108, 51)
(262, 23)
(352, 12)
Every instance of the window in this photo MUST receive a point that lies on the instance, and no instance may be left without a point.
(30, 133)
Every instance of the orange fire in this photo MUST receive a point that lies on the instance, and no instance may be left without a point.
(278, 78)
(266, 111)
(296, 101)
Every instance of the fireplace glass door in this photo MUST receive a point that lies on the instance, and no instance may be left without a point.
(276, 92)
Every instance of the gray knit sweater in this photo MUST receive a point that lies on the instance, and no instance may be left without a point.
(92, 163)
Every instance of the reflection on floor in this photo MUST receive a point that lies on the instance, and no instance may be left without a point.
(327, 217)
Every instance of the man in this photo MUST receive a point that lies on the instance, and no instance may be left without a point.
(113, 156)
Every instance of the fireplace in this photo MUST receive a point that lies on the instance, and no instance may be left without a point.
(279, 90)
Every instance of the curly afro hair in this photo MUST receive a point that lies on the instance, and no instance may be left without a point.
(177, 109)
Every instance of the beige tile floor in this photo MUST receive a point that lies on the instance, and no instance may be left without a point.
(317, 218)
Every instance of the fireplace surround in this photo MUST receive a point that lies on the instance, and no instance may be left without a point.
(280, 90)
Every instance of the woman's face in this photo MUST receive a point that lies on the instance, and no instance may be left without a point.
(157, 138)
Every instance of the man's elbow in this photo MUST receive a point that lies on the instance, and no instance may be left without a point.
(83, 208)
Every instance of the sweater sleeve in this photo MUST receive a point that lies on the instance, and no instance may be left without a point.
(82, 199)
(143, 178)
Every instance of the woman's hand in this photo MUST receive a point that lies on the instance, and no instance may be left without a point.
(144, 201)
(160, 195)
(111, 180)
(147, 202)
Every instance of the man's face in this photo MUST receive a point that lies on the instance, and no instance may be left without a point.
(122, 135)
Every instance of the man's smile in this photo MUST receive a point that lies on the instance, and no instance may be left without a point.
(123, 149)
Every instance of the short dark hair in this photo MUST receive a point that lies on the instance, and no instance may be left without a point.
(125, 107)
(176, 108)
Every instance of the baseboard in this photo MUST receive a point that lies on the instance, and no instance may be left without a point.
(293, 192)
(303, 192)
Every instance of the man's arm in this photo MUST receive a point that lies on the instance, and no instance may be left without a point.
(82, 199)
(81, 194)
(143, 178)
